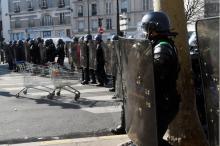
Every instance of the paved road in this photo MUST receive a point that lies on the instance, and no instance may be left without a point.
(33, 117)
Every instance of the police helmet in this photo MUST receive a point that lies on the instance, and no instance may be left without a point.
(20, 42)
(75, 39)
(156, 21)
(98, 37)
(114, 37)
(88, 37)
(15, 42)
(60, 41)
(81, 39)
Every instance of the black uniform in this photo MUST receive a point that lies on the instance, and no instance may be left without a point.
(166, 68)
(10, 56)
(19, 51)
(100, 63)
(60, 53)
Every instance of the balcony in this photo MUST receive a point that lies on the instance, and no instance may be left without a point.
(43, 6)
(30, 8)
(61, 5)
(80, 14)
(17, 10)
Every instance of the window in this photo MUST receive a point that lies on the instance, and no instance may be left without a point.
(108, 24)
(31, 23)
(124, 6)
(43, 4)
(46, 34)
(18, 36)
(30, 5)
(80, 11)
(61, 3)
(17, 24)
(145, 4)
(62, 18)
(16, 6)
(68, 32)
(94, 25)
(80, 26)
(94, 10)
(47, 20)
(108, 8)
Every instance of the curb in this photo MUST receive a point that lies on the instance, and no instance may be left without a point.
(89, 141)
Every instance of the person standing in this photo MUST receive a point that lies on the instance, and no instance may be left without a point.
(60, 52)
(85, 70)
(100, 61)
(156, 26)
(10, 56)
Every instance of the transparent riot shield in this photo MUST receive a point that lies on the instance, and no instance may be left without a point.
(118, 71)
(208, 43)
(83, 57)
(108, 51)
(75, 54)
(92, 55)
(138, 88)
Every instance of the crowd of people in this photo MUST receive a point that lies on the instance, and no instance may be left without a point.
(41, 51)
(36, 51)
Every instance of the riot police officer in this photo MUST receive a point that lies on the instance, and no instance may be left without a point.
(85, 71)
(19, 51)
(156, 26)
(60, 52)
(100, 61)
(10, 55)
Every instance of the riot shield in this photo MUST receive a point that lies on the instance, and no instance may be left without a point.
(208, 43)
(138, 76)
(118, 71)
(83, 57)
(107, 47)
(75, 54)
(92, 55)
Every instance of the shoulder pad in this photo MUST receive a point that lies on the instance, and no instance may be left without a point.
(163, 47)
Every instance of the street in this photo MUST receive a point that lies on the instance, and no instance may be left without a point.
(33, 117)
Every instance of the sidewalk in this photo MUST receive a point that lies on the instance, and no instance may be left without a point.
(114, 140)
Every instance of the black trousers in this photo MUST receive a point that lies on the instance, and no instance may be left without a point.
(92, 74)
(85, 74)
(164, 118)
(100, 72)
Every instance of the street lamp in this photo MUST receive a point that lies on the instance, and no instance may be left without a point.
(117, 15)
(88, 18)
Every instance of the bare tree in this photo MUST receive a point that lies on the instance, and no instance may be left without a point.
(194, 10)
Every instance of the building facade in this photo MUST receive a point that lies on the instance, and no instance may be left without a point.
(0, 19)
(39, 18)
(104, 12)
(212, 8)
(61, 18)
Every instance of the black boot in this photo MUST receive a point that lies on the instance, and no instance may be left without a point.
(92, 72)
(120, 129)
(85, 82)
(112, 90)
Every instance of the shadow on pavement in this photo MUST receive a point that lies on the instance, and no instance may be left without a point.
(6, 94)
(71, 104)
(4, 69)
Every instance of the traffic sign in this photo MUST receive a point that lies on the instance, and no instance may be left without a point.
(101, 30)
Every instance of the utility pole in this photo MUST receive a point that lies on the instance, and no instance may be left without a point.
(88, 17)
(117, 15)
(187, 123)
